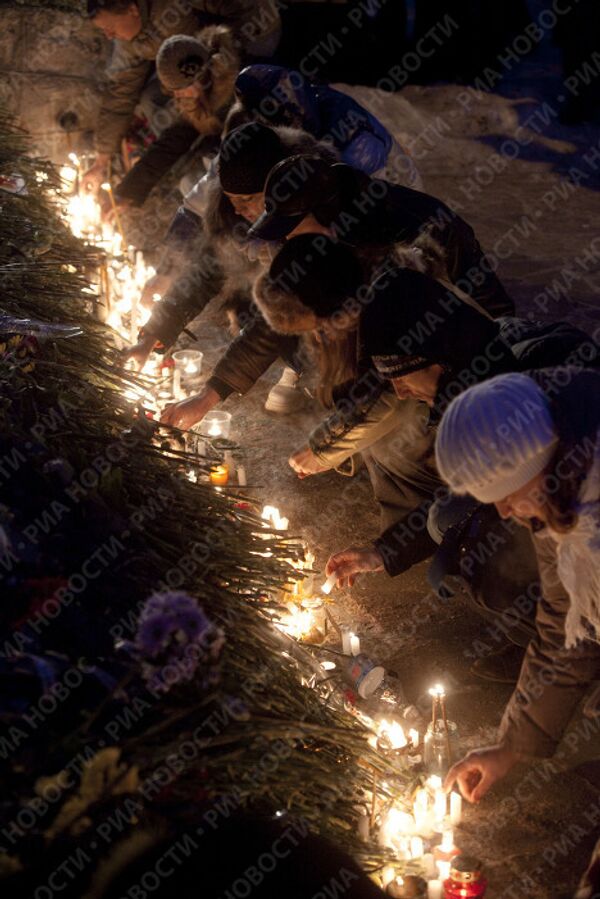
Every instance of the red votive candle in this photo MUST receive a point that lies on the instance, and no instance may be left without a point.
(466, 880)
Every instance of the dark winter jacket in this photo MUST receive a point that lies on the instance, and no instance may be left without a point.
(131, 62)
(372, 212)
(281, 96)
(554, 679)
(213, 258)
(534, 346)
(407, 218)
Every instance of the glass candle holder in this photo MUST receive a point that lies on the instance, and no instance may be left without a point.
(187, 370)
(440, 747)
(216, 424)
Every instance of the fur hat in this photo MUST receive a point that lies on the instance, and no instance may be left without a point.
(311, 274)
(208, 57)
(180, 61)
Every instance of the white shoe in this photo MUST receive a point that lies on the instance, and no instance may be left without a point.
(285, 397)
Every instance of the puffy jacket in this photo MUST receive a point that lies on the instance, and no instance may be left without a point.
(132, 61)
(554, 679)
(535, 346)
(285, 97)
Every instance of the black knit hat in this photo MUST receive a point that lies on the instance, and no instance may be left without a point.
(412, 321)
(93, 7)
(246, 157)
(296, 186)
(319, 272)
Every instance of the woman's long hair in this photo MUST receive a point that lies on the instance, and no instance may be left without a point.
(577, 423)
(565, 475)
(336, 363)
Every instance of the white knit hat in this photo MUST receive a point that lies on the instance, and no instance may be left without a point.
(495, 437)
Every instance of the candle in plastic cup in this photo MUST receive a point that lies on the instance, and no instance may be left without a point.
(216, 424)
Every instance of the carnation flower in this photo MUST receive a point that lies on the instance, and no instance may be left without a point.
(176, 642)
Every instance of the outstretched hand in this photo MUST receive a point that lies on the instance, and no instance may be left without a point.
(189, 412)
(305, 463)
(352, 561)
(480, 770)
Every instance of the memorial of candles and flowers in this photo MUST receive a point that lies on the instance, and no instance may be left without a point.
(122, 505)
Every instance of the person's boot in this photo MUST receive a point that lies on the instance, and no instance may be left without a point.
(502, 666)
(285, 396)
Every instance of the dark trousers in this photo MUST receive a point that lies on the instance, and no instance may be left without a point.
(492, 561)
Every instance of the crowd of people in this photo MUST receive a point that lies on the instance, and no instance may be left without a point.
(477, 427)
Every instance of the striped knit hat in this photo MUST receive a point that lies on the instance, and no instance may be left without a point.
(495, 437)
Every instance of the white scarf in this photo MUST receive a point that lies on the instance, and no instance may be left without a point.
(578, 553)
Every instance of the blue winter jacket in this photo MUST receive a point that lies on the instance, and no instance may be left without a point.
(284, 97)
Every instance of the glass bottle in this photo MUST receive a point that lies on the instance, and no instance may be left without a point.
(440, 748)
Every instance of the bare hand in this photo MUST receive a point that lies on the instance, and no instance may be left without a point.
(96, 175)
(304, 462)
(188, 412)
(479, 771)
(157, 284)
(139, 352)
(108, 210)
(352, 561)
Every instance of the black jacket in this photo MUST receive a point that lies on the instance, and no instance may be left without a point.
(370, 212)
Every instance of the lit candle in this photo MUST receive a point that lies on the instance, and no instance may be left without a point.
(133, 319)
(416, 847)
(329, 584)
(177, 391)
(421, 808)
(413, 736)
(108, 188)
(346, 641)
(444, 869)
(446, 850)
(216, 424)
(219, 475)
(387, 875)
(439, 806)
(393, 733)
(455, 807)
(429, 866)
(354, 645)
(434, 889)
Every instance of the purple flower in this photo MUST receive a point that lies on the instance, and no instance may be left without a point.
(176, 642)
